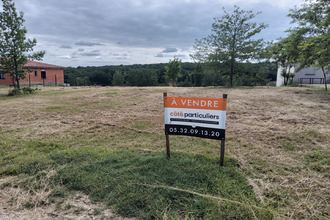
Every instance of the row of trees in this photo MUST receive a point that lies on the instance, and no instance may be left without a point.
(184, 74)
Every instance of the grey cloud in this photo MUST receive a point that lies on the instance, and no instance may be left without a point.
(121, 58)
(65, 47)
(89, 44)
(159, 55)
(170, 50)
(126, 23)
(93, 53)
(136, 24)
(81, 50)
(180, 56)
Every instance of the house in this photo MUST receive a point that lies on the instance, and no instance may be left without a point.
(310, 75)
(41, 74)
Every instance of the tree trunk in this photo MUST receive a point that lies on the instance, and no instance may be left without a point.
(17, 82)
(325, 79)
(231, 75)
(14, 84)
(285, 77)
(16, 74)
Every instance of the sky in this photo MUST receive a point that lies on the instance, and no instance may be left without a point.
(113, 32)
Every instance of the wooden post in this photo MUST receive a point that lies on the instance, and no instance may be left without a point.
(55, 80)
(29, 80)
(43, 81)
(166, 135)
(222, 150)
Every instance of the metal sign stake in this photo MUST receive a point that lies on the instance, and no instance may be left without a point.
(222, 150)
(167, 136)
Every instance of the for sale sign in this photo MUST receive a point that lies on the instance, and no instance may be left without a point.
(199, 117)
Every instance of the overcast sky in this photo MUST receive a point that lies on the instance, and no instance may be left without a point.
(112, 32)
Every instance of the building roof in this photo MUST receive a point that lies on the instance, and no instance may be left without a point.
(39, 65)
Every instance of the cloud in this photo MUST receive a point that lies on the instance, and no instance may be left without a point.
(93, 53)
(170, 50)
(180, 56)
(143, 27)
(65, 47)
(89, 44)
(66, 57)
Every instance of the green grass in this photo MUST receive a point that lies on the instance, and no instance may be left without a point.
(136, 183)
(111, 92)
(149, 185)
(319, 161)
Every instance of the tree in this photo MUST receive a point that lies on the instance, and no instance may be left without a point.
(173, 71)
(232, 40)
(118, 78)
(141, 77)
(313, 21)
(14, 46)
(198, 75)
(286, 53)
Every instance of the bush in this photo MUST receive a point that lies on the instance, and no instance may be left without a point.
(25, 90)
(28, 90)
(15, 92)
(272, 83)
(293, 84)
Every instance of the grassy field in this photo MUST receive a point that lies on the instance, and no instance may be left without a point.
(106, 146)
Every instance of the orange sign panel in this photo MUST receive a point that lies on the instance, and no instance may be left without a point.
(195, 103)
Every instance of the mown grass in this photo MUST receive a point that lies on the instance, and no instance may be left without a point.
(109, 145)
(142, 184)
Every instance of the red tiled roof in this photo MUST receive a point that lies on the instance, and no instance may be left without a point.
(35, 64)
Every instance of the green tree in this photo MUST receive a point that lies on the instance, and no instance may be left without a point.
(313, 21)
(173, 71)
(232, 40)
(198, 75)
(141, 77)
(118, 78)
(14, 46)
(286, 53)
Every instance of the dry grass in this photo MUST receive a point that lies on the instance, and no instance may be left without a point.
(274, 133)
(21, 204)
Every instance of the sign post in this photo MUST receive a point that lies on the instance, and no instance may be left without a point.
(198, 117)
(222, 150)
(166, 135)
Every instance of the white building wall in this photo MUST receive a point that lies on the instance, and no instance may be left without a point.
(305, 75)
(280, 79)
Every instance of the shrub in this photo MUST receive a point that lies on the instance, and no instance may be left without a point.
(25, 90)
(28, 90)
(15, 92)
